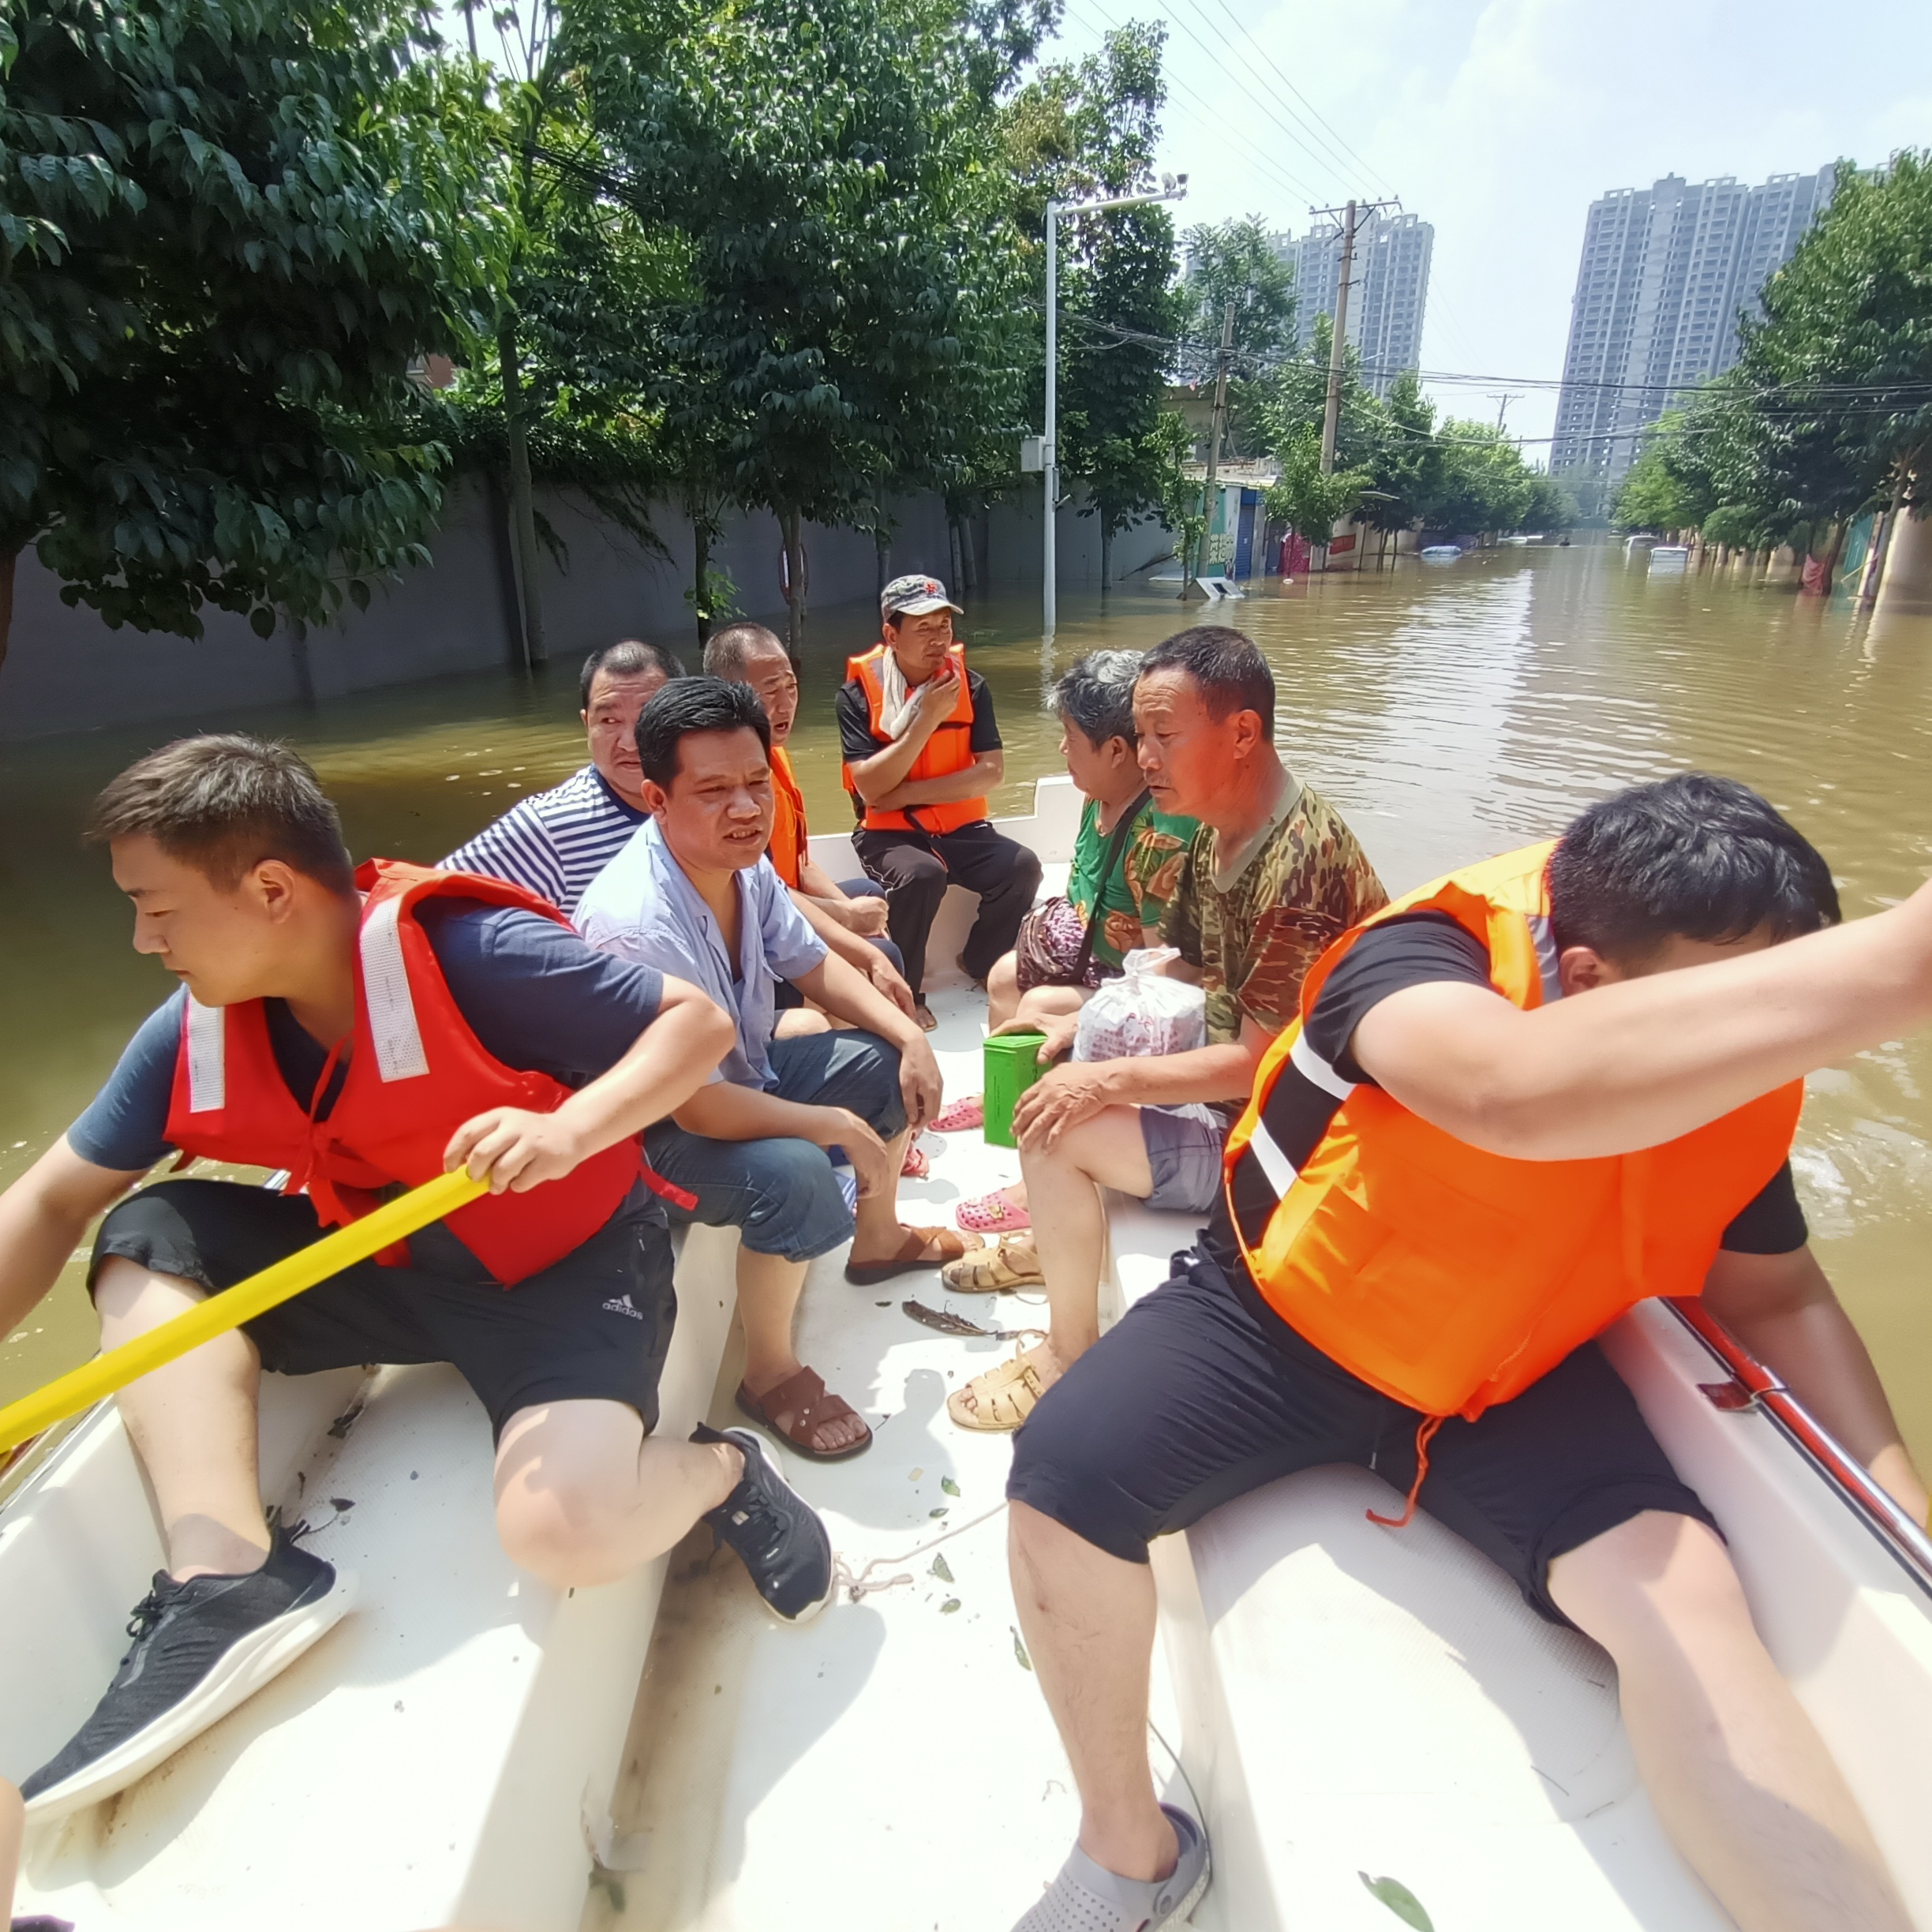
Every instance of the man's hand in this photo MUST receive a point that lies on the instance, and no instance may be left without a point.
(886, 978)
(864, 915)
(871, 1165)
(919, 1084)
(1059, 1032)
(1063, 1097)
(514, 1150)
(937, 695)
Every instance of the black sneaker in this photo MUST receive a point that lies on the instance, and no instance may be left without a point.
(775, 1531)
(201, 1648)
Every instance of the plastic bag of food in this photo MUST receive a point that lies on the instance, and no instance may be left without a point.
(1142, 1013)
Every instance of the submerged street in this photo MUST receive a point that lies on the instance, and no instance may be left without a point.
(1449, 712)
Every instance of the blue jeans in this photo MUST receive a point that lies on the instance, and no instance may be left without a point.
(782, 1193)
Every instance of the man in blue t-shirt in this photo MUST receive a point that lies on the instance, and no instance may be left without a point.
(234, 859)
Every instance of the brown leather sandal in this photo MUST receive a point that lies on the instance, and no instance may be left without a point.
(913, 1254)
(804, 1397)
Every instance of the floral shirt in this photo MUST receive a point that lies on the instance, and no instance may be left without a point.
(1135, 895)
(1254, 937)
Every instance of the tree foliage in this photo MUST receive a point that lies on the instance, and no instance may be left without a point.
(226, 226)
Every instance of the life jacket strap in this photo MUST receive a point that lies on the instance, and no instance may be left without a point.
(1423, 1437)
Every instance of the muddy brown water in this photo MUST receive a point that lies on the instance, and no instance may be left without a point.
(1452, 712)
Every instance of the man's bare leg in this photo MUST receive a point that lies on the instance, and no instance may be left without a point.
(1069, 1226)
(768, 1288)
(583, 1496)
(1738, 1775)
(192, 1423)
(1089, 1621)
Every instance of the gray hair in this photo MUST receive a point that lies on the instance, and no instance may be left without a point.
(1097, 695)
(633, 657)
(729, 651)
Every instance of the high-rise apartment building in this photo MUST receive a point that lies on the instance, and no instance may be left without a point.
(1389, 288)
(1666, 271)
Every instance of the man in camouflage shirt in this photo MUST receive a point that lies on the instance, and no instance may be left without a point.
(1273, 876)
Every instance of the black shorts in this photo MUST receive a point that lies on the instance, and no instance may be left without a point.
(593, 1326)
(1196, 1396)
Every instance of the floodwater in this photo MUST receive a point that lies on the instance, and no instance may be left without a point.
(1452, 712)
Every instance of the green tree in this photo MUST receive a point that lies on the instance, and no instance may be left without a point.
(226, 227)
(1304, 497)
(1828, 409)
(1407, 465)
(1090, 129)
(1657, 493)
(1485, 486)
(1236, 262)
(1172, 448)
(840, 303)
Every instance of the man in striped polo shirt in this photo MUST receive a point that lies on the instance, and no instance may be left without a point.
(556, 842)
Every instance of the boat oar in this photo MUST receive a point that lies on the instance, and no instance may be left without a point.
(68, 1394)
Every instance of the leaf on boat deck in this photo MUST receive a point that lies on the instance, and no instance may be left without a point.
(938, 1512)
(914, 1475)
(950, 1605)
(1400, 1900)
(944, 1319)
(949, 1485)
(941, 1569)
(1026, 1663)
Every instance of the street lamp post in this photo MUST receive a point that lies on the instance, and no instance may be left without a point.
(1174, 188)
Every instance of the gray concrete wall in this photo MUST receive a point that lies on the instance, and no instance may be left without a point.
(66, 671)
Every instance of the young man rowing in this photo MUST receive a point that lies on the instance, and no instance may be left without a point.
(1516, 1103)
(363, 1029)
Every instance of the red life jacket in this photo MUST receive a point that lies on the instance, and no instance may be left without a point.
(948, 750)
(416, 1074)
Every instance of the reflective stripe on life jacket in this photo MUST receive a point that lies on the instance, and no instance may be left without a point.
(948, 750)
(1450, 1278)
(788, 837)
(416, 1074)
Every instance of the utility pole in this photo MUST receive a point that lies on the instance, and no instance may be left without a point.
(1503, 402)
(1338, 347)
(1216, 417)
(1174, 188)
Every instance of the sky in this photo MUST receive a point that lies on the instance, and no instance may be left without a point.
(1500, 122)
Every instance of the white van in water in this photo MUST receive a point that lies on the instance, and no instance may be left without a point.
(1666, 560)
(1341, 1703)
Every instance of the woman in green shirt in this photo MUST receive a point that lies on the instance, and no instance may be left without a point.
(1128, 859)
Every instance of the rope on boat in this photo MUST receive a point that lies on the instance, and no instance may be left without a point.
(863, 1585)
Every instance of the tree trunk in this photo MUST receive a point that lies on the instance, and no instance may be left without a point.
(956, 545)
(8, 560)
(1107, 554)
(882, 553)
(796, 583)
(523, 509)
(700, 571)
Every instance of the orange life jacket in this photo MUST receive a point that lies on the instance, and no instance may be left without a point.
(416, 1074)
(1449, 1278)
(948, 750)
(787, 847)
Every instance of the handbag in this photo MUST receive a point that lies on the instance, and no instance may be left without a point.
(1054, 945)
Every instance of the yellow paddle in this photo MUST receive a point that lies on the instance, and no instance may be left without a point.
(67, 1394)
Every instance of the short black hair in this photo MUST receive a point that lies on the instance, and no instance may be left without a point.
(630, 657)
(1232, 674)
(1692, 856)
(1096, 694)
(222, 802)
(694, 704)
(728, 650)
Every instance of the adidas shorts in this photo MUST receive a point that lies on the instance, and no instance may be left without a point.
(593, 1326)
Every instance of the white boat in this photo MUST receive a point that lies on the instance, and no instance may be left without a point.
(470, 1749)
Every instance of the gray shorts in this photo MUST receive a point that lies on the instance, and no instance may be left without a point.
(1183, 1152)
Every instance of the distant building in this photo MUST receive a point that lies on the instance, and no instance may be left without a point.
(1388, 292)
(1667, 270)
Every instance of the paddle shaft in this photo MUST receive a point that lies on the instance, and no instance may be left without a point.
(114, 1369)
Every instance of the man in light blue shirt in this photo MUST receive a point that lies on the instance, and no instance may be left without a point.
(694, 888)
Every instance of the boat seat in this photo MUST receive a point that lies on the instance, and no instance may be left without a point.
(443, 1757)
